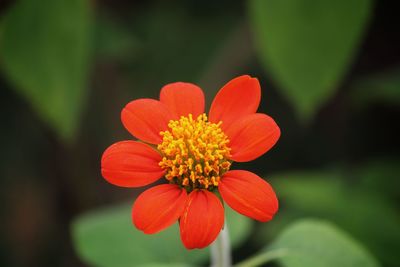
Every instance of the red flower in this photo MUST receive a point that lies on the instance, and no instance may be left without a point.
(194, 153)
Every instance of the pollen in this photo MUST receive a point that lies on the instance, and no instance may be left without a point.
(195, 152)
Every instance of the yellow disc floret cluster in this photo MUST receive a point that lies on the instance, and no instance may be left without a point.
(195, 152)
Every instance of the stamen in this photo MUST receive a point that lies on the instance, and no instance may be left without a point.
(195, 152)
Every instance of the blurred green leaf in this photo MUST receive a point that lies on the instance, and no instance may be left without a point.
(364, 214)
(113, 41)
(262, 258)
(107, 238)
(45, 52)
(181, 49)
(308, 45)
(384, 88)
(381, 176)
(164, 265)
(315, 243)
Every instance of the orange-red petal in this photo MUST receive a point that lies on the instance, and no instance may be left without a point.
(202, 219)
(131, 164)
(252, 136)
(158, 207)
(183, 99)
(145, 119)
(239, 97)
(249, 195)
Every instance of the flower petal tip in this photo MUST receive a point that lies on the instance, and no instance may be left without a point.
(252, 136)
(249, 194)
(202, 219)
(239, 97)
(158, 207)
(183, 99)
(145, 119)
(131, 164)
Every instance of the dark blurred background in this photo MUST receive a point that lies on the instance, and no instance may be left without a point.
(68, 68)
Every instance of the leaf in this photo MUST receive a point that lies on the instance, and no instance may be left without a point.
(383, 88)
(182, 48)
(316, 243)
(264, 257)
(107, 238)
(164, 265)
(362, 213)
(45, 52)
(381, 176)
(113, 41)
(307, 45)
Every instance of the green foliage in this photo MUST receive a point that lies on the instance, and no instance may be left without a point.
(113, 41)
(164, 265)
(107, 238)
(315, 243)
(180, 50)
(307, 45)
(378, 88)
(381, 176)
(162, 43)
(45, 49)
(368, 216)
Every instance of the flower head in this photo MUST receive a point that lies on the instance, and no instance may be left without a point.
(194, 152)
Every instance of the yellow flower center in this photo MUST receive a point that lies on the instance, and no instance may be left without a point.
(195, 152)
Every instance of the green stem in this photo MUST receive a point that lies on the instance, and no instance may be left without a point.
(221, 250)
(263, 258)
